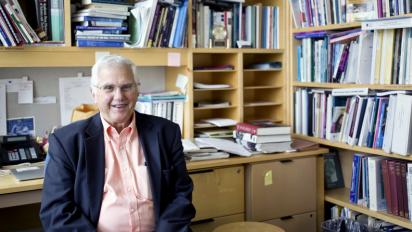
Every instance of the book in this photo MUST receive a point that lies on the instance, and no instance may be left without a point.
(265, 127)
(97, 43)
(386, 185)
(376, 186)
(387, 23)
(403, 125)
(261, 138)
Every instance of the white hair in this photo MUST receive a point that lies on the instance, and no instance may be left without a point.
(107, 61)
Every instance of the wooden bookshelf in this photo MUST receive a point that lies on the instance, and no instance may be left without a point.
(345, 146)
(328, 27)
(341, 197)
(340, 86)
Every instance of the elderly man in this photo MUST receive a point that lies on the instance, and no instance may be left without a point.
(118, 170)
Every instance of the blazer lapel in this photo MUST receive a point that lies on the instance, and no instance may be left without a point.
(94, 157)
(149, 140)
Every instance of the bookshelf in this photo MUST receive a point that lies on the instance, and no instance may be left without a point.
(340, 196)
(252, 93)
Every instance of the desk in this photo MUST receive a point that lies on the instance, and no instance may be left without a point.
(14, 193)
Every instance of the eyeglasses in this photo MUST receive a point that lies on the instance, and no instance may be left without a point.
(126, 88)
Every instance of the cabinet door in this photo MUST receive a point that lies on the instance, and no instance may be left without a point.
(280, 188)
(218, 192)
(296, 223)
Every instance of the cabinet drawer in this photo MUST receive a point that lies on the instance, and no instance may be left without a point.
(210, 224)
(296, 223)
(280, 188)
(218, 192)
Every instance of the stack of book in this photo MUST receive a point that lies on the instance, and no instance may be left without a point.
(159, 23)
(263, 136)
(196, 152)
(15, 29)
(169, 105)
(100, 24)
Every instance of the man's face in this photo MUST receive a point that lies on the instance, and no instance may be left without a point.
(116, 95)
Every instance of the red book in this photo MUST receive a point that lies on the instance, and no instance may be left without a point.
(392, 183)
(386, 186)
(399, 188)
(263, 127)
(404, 189)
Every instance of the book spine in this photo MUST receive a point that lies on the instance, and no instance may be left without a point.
(93, 43)
(394, 192)
(245, 127)
(399, 188)
(386, 186)
(404, 190)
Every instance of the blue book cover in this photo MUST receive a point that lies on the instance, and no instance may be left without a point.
(87, 28)
(382, 121)
(95, 43)
(181, 24)
(96, 19)
(299, 68)
(371, 131)
(355, 173)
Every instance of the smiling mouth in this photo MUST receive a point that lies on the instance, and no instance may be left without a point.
(119, 106)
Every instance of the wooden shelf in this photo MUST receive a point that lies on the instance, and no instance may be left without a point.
(341, 197)
(263, 87)
(214, 89)
(84, 57)
(258, 104)
(214, 70)
(236, 160)
(236, 50)
(339, 86)
(263, 70)
(352, 148)
(214, 107)
(327, 27)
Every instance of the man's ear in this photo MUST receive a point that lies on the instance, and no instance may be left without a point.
(93, 95)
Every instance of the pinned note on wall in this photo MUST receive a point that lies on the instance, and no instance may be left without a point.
(268, 178)
(173, 59)
(99, 55)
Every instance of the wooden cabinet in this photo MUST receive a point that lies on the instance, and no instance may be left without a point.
(282, 189)
(218, 196)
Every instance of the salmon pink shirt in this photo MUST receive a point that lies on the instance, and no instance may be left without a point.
(127, 198)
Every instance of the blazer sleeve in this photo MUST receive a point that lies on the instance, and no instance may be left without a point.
(58, 210)
(179, 212)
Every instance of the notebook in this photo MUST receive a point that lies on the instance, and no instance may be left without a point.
(28, 173)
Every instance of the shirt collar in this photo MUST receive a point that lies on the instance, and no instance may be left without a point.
(109, 130)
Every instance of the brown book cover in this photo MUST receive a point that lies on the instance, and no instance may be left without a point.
(386, 186)
(401, 210)
(404, 189)
(392, 183)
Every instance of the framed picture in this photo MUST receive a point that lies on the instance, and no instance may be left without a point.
(333, 171)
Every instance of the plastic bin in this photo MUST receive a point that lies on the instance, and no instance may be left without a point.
(343, 225)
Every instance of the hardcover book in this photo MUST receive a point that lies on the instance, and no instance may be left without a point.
(264, 127)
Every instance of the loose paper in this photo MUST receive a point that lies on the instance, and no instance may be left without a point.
(73, 92)
(181, 82)
(173, 59)
(45, 100)
(3, 109)
(268, 178)
(25, 92)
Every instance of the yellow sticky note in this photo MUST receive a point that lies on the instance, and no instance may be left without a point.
(268, 178)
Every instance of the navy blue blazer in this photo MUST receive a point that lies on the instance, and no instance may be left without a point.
(73, 185)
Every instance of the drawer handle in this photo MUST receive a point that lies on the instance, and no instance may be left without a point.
(201, 171)
(203, 221)
(286, 161)
(286, 218)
